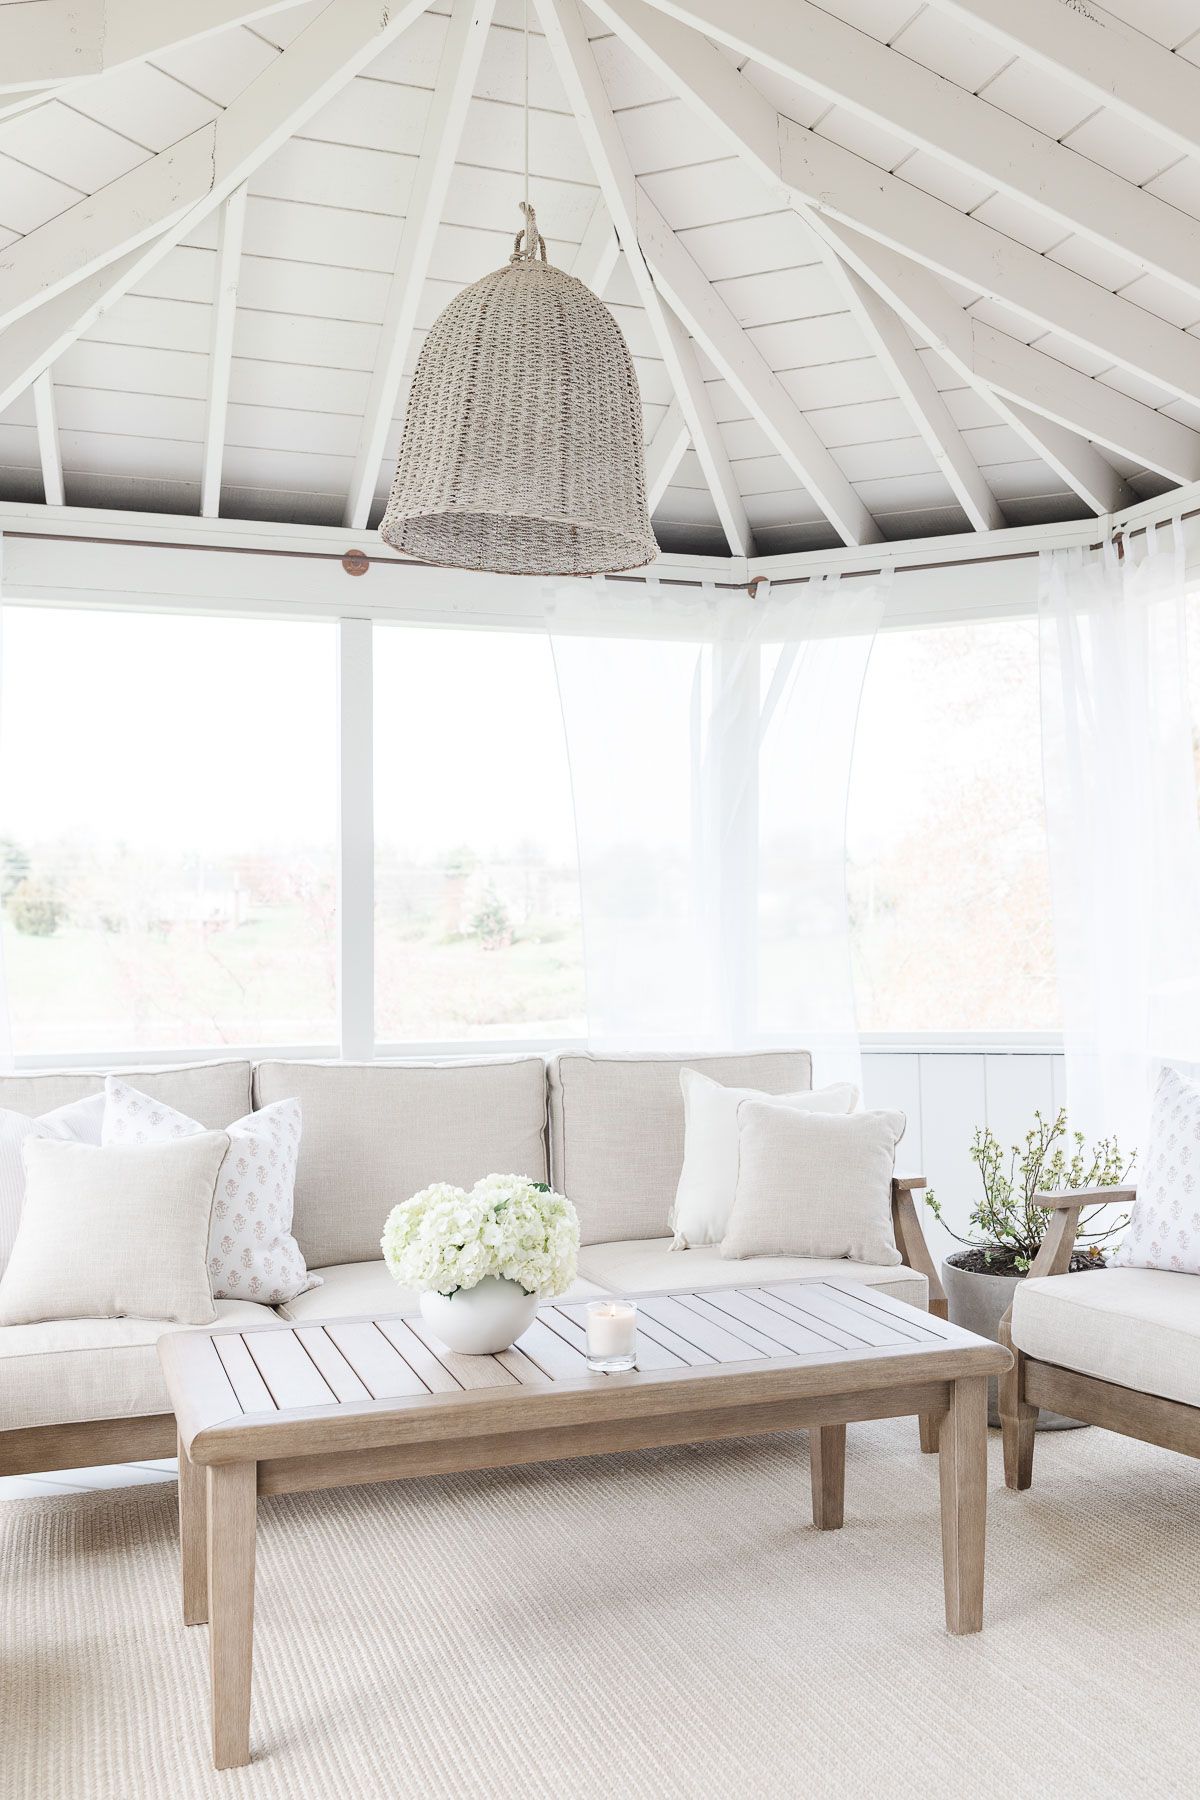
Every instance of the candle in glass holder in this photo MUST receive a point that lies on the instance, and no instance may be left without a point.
(611, 1336)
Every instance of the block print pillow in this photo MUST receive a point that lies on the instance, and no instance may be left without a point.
(252, 1254)
(1164, 1232)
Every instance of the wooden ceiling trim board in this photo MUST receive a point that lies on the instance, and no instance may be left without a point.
(1079, 463)
(567, 38)
(220, 363)
(1003, 369)
(805, 170)
(458, 68)
(49, 447)
(324, 56)
(889, 339)
(171, 193)
(1101, 56)
(851, 69)
(692, 296)
(664, 453)
(58, 42)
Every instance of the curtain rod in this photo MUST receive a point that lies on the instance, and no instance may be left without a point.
(356, 562)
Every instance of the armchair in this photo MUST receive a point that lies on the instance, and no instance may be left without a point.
(1119, 1348)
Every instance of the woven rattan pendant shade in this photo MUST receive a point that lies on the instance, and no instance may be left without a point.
(522, 450)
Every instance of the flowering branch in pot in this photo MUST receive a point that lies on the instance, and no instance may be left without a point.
(482, 1259)
(1007, 1228)
(1051, 1160)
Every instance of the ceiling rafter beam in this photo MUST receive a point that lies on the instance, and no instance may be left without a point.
(893, 347)
(664, 453)
(59, 42)
(808, 171)
(919, 300)
(600, 251)
(568, 42)
(65, 284)
(220, 358)
(850, 68)
(740, 363)
(458, 67)
(1109, 62)
(1004, 369)
(45, 414)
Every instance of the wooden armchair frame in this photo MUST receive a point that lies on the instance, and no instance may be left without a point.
(1029, 1384)
(916, 1254)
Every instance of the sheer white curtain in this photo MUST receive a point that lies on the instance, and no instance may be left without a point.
(1121, 821)
(710, 736)
(6, 1045)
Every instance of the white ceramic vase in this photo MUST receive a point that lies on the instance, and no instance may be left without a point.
(481, 1320)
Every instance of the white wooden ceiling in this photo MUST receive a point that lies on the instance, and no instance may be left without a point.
(888, 269)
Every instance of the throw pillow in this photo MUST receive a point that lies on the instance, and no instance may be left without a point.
(252, 1254)
(704, 1197)
(1164, 1230)
(813, 1184)
(112, 1234)
(79, 1123)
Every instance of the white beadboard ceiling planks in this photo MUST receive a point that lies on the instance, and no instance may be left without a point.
(886, 269)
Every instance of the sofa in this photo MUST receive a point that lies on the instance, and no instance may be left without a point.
(606, 1130)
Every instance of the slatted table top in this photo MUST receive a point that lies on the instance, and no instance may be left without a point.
(284, 1390)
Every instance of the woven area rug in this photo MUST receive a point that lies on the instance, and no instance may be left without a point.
(661, 1624)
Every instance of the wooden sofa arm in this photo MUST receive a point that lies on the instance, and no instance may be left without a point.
(910, 1239)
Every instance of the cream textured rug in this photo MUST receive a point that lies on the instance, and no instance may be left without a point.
(664, 1624)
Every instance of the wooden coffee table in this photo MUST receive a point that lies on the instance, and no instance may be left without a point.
(284, 1408)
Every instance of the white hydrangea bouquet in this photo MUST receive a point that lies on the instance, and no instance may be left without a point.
(481, 1260)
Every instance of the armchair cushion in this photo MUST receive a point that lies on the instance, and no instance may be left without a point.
(1139, 1328)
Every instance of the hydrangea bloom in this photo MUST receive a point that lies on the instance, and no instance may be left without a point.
(445, 1238)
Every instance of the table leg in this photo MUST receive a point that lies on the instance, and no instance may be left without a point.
(827, 1460)
(232, 1510)
(963, 1453)
(193, 1539)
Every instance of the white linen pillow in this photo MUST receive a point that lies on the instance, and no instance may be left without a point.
(79, 1122)
(252, 1254)
(813, 1184)
(704, 1197)
(1164, 1229)
(114, 1234)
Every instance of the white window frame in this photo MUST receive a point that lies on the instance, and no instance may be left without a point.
(80, 557)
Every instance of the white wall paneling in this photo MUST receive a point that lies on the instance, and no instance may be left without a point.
(946, 1093)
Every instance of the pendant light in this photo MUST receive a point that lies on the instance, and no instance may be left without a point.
(522, 450)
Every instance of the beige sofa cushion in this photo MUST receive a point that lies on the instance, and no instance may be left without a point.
(647, 1266)
(352, 1290)
(375, 1133)
(76, 1369)
(1139, 1328)
(211, 1093)
(616, 1130)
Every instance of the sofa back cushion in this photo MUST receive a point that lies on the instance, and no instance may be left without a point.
(375, 1133)
(616, 1130)
(211, 1093)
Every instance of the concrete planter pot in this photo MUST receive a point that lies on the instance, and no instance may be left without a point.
(978, 1303)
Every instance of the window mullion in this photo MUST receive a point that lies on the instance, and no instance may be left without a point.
(356, 841)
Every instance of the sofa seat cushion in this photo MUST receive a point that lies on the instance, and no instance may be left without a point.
(75, 1369)
(648, 1265)
(1139, 1328)
(366, 1289)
